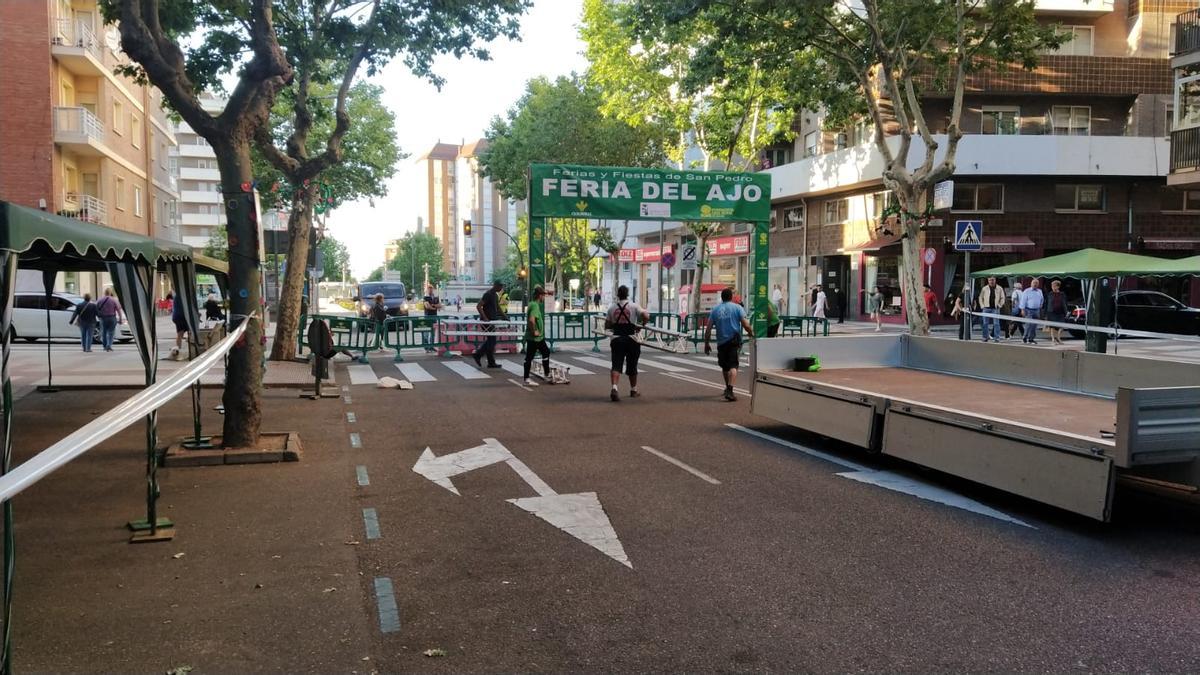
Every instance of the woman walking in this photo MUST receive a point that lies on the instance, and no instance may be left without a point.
(85, 318)
(875, 307)
(1056, 310)
(111, 314)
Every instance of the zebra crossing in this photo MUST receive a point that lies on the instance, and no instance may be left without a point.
(580, 364)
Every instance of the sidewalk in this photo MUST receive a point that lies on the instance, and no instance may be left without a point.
(258, 578)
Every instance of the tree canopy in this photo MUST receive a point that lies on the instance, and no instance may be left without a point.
(416, 249)
(336, 259)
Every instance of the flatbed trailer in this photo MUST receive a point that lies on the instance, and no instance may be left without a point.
(1058, 427)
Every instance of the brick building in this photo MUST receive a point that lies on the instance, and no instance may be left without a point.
(76, 138)
(1070, 155)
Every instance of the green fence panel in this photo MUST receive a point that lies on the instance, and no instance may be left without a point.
(413, 332)
(803, 326)
(572, 327)
(352, 334)
(665, 321)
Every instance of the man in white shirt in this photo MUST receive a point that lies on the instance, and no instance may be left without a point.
(820, 304)
(777, 298)
(1032, 301)
(624, 319)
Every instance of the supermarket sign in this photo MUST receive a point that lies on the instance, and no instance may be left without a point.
(737, 245)
(643, 254)
(567, 190)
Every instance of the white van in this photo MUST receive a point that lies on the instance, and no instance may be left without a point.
(29, 318)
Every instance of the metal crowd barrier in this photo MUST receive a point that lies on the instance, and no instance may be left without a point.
(352, 334)
(666, 321)
(464, 335)
(414, 332)
(571, 327)
(803, 326)
(649, 335)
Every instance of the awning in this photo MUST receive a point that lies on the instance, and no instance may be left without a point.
(993, 244)
(1171, 243)
(875, 244)
(46, 241)
(1088, 263)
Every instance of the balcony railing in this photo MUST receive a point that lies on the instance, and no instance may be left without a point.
(1187, 32)
(79, 122)
(1185, 149)
(75, 33)
(84, 207)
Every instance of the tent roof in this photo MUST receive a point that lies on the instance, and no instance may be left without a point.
(1180, 266)
(44, 239)
(207, 265)
(1087, 263)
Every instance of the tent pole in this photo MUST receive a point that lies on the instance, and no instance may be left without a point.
(48, 278)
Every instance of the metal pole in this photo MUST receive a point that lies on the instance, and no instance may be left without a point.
(966, 292)
(660, 267)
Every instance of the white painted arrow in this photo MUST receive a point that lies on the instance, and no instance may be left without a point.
(441, 469)
(581, 516)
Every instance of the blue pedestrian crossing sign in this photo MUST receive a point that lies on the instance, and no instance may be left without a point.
(968, 235)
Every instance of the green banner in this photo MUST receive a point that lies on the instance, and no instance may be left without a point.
(537, 255)
(619, 193)
(761, 295)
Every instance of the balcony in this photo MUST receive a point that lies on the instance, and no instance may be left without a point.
(79, 130)
(1187, 39)
(1082, 9)
(193, 173)
(979, 155)
(196, 150)
(1185, 157)
(75, 45)
(84, 207)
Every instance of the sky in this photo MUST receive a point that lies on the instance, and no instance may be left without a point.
(474, 93)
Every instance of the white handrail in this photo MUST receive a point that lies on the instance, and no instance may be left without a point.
(107, 425)
(1117, 332)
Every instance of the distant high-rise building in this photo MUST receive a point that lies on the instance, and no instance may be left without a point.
(200, 209)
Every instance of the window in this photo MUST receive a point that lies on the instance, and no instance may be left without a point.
(1071, 120)
(118, 117)
(154, 212)
(792, 218)
(978, 197)
(1072, 197)
(1000, 120)
(841, 141)
(1170, 120)
(863, 132)
(836, 211)
(879, 202)
(777, 156)
(811, 139)
(120, 190)
(1180, 200)
(137, 201)
(1186, 106)
(135, 130)
(1077, 41)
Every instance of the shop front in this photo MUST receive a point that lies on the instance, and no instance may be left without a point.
(879, 266)
(730, 262)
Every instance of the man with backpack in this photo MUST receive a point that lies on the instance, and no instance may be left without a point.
(624, 319)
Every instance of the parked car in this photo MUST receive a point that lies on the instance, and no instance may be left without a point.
(29, 318)
(394, 296)
(1149, 311)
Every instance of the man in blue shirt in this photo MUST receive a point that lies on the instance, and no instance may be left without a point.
(1032, 301)
(729, 318)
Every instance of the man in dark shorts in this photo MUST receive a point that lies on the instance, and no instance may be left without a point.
(624, 319)
(489, 310)
(729, 318)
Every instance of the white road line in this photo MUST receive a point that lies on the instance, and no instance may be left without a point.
(465, 371)
(514, 368)
(692, 470)
(853, 466)
(518, 383)
(361, 472)
(575, 370)
(664, 366)
(706, 383)
(607, 365)
(697, 363)
(362, 375)
(413, 372)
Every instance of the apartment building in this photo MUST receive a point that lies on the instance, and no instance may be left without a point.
(201, 212)
(77, 139)
(1073, 154)
(455, 191)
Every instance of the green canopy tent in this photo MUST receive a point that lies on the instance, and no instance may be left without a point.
(1090, 264)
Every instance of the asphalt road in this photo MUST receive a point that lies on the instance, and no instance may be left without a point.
(774, 562)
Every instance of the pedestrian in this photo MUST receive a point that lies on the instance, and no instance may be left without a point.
(180, 320)
(1032, 303)
(457, 303)
(85, 318)
(875, 307)
(991, 301)
(729, 319)
(956, 313)
(777, 298)
(110, 313)
(812, 299)
(535, 337)
(932, 308)
(212, 309)
(1056, 310)
(1014, 308)
(820, 302)
(489, 310)
(432, 302)
(839, 302)
(596, 299)
(623, 319)
(773, 320)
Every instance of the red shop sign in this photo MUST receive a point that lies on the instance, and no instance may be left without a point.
(645, 254)
(738, 245)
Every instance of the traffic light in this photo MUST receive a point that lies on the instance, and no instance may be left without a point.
(466, 228)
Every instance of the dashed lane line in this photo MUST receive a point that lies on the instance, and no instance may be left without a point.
(413, 372)
(371, 523)
(351, 418)
(706, 383)
(697, 363)
(690, 469)
(664, 366)
(518, 383)
(845, 463)
(360, 472)
(355, 440)
(385, 600)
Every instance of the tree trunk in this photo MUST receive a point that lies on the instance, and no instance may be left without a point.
(243, 409)
(299, 229)
(910, 263)
(698, 280)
